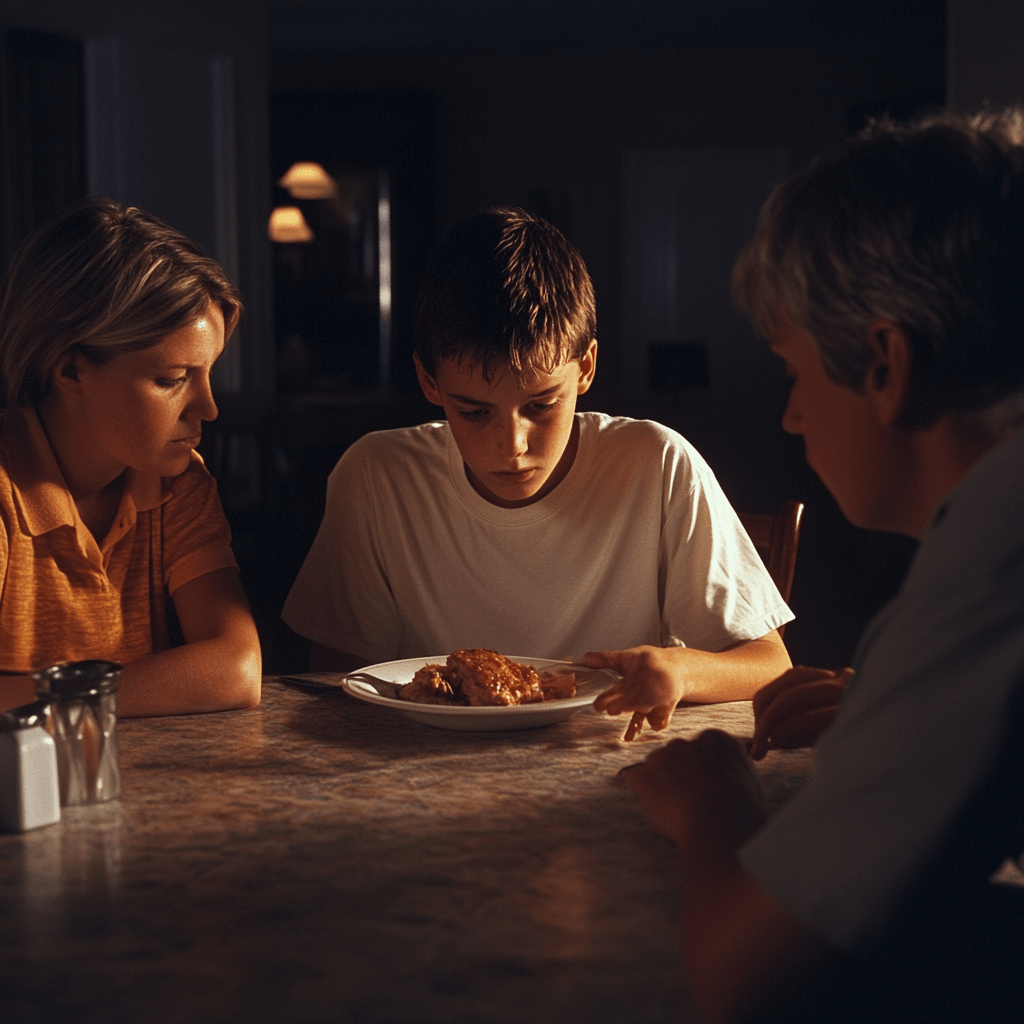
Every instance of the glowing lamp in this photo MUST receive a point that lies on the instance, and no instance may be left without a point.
(288, 225)
(308, 181)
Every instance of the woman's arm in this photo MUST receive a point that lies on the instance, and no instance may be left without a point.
(217, 669)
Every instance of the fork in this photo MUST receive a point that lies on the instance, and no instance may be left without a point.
(383, 686)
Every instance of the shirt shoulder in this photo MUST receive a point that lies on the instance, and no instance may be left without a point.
(389, 450)
(380, 468)
(979, 525)
(635, 447)
(193, 531)
(195, 478)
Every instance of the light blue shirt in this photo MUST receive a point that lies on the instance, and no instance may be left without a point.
(922, 721)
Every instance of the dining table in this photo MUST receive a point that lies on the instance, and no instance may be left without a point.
(319, 858)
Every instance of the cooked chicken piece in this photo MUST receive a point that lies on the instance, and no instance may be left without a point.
(486, 678)
(558, 685)
(429, 686)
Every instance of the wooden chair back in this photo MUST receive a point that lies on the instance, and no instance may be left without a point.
(776, 538)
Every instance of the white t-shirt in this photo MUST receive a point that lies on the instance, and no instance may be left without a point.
(636, 545)
(922, 721)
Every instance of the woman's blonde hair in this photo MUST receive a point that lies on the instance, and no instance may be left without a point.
(100, 278)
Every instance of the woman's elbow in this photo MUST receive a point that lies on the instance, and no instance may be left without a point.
(246, 680)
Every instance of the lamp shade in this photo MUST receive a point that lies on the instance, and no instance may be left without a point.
(308, 180)
(288, 225)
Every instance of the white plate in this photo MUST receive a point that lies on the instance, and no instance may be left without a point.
(589, 683)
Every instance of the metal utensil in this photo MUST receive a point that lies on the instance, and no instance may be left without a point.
(383, 686)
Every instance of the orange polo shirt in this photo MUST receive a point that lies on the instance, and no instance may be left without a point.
(63, 597)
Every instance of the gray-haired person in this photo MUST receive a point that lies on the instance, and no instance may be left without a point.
(889, 277)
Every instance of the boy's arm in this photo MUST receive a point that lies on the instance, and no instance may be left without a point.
(655, 679)
(738, 943)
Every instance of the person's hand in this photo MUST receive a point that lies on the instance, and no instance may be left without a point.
(703, 794)
(651, 683)
(795, 709)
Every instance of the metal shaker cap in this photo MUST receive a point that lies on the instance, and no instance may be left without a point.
(26, 717)
(72, 680)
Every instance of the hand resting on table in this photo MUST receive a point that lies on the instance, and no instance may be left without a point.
(650, 684)
(795, 709)
(655, 679)
(703, 793)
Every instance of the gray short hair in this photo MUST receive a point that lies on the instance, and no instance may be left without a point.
(100, 278)
(921, 224)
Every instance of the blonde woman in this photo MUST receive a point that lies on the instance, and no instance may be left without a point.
(113, 543)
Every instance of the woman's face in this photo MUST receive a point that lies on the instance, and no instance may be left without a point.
(145, 409)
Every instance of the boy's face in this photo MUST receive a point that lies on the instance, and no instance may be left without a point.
(844, 441)
(517, 440)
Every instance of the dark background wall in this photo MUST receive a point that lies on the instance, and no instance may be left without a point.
(468, 105)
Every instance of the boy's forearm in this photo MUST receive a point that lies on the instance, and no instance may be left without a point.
(655, 679)
(734, 674)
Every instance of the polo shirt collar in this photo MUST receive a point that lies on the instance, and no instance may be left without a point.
(46, 502)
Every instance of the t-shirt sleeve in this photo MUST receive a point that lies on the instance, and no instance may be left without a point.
(341, 597)
(195, 533)
(716, 588)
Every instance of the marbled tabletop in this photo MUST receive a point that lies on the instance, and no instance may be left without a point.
(321, 859)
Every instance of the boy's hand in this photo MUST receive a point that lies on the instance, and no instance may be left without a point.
(703, 794)
(795, 709)
(651, 683)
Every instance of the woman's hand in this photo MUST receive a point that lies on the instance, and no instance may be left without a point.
(795, 709)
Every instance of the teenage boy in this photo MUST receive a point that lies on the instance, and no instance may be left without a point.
(522, 526)
(888, 277)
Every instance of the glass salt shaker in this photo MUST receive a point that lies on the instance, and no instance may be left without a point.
(82, 700)
(29, 795)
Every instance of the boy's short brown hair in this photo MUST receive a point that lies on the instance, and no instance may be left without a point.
(100, 278)
(920, 224)
(505, 290)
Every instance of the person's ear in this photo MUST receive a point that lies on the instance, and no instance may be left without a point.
(588, 367)
(427, 383)
(887, 381)
(66, 374)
